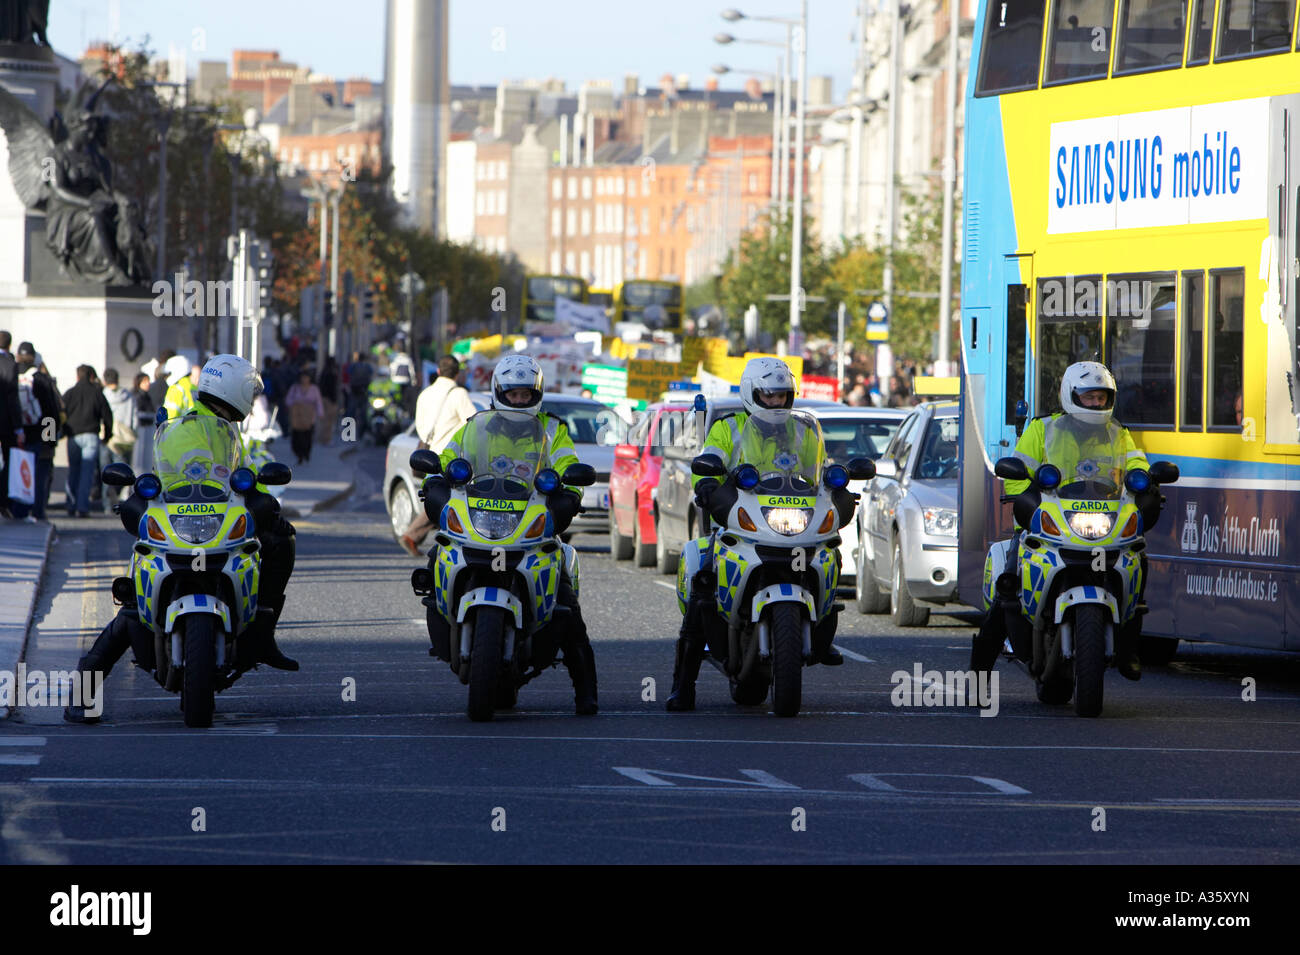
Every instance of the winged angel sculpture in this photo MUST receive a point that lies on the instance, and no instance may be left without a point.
(96, 232)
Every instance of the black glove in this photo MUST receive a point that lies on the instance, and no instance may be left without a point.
(704, 493)
(563, 505)
(435, 492)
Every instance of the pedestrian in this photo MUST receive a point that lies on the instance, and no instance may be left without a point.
(359, 375)
(305, 409)
(329, 394)
(120, 447)
(11, 416)
(42, 410)
(90, 420)
(142, 459)
(441, 411)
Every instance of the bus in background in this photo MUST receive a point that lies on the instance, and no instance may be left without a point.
(1132, 196)
(540, 292)
(663, 299)
(602, 297)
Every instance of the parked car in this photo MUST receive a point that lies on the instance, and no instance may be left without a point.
(676, 520)
(907, 521)
(856, 433)
(634, 482)
(594, 428)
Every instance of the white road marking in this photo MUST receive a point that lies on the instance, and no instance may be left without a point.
(664, 583)
(855, 656)
(21, 759)
(22, 740)
(651, 777)
(29, 826)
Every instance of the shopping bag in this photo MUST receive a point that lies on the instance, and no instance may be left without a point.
(22, 476)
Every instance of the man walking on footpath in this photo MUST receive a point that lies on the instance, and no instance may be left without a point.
(42, 414)
(121, 445)
(89, 420)
(439, 413)
(11, 416)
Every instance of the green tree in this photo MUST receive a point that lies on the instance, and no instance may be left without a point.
(761, 267)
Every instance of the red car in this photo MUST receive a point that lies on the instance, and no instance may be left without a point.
(634, 482)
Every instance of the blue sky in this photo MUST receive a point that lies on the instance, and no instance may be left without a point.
(572, 39)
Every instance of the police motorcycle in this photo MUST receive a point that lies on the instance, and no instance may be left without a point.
(195, 567)
(1081, 566)
(257, 451)
(776, 558)
(385, 416)
(497, 571)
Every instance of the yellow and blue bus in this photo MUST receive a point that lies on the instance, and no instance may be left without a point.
(541, 291)
(1132, 195)
(662, 299)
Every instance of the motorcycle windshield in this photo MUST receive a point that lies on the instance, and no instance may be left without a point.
(1092, 459)
(789, 456)
(505, 453)
(194, 456)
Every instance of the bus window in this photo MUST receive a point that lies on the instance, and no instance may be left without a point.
(1140, 347)
(1193, 351)
(1249, 27)
(1150, 35)
(1202, 30)
(1079, 48)
(1017, 300)
(1226, 293)
(1069, 330)
(1013, 37)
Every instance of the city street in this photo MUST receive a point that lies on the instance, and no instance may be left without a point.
(1179, 769)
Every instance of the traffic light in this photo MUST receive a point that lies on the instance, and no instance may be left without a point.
(367, 302)
(263, 260)
(328, 300)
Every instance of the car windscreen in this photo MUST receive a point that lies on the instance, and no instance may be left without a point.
(589, 423)
(938, 459)
(849, 438)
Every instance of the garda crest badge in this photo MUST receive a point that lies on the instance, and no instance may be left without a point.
(501, 465)
(786, 461)
(1088, 470)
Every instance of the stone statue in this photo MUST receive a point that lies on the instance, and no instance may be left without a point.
(96, 232)
(23, 20)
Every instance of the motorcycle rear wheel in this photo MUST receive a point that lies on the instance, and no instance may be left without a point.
(485, 654)
(198, 691)
(787, 658)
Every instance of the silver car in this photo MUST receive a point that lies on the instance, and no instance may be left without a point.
(907, 520)
(594, 428)
(855, 433)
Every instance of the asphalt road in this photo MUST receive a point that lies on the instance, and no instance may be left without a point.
(1180, 769)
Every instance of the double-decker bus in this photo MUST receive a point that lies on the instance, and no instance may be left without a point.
(600, 296)
(541, 291)
(1132, 195)
(663, 299)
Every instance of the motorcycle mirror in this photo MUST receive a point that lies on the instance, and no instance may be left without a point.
(579, 475)
(1011, 469)
(862, 469)
(1164, 472)
(118, 475)
(425, 461)
(273, 473)
(708, 465)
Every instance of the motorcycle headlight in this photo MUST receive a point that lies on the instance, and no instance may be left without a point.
(940, 521)
(494, 525)
(1092, 525)
(197, 528)
(787, 520)
(377, 402)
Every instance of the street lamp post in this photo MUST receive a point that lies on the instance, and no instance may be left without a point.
(776, 198)
(796, 239)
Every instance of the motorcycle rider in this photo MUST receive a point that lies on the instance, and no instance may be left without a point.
(767, 395)
(516, 402)
(228, 387)
(180, 386)
(1071, 440)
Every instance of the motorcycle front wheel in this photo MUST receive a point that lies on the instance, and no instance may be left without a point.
(485, 662)
(787, 658)
(1089, 658)
(198, 691)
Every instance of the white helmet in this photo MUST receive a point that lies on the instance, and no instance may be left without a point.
(176, 368)
(229, 385)
(769, 375)
(517, 371)
(400, 369)
(1088, 376)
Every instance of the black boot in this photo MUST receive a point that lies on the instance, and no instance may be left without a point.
(77, 714)
(582, 671)
(690, 654)
(823, 650)
(264, 634)
(1126, 655)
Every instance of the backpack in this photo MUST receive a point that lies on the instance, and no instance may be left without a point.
(27, 401)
